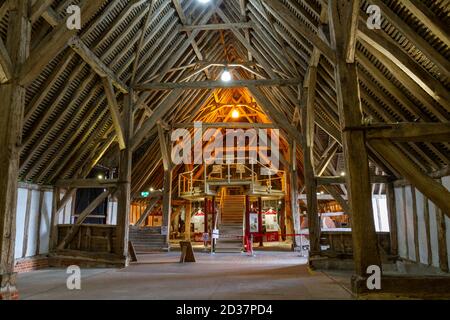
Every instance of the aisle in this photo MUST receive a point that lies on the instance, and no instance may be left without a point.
(267, 276)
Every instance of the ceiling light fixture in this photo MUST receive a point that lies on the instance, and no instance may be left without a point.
(235, 114)
(203, 1)
(226, 76)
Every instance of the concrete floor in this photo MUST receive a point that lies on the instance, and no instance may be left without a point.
(267, 276)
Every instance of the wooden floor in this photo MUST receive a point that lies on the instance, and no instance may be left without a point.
(267, 276)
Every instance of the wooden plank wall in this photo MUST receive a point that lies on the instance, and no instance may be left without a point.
(423, 231)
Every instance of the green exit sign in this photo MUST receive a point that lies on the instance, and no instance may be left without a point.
(145, 194)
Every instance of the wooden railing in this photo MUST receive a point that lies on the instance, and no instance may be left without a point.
(231, 173)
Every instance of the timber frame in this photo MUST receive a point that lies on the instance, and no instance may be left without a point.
(372, 103)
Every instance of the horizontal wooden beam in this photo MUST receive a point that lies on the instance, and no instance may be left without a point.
(217, 26)
(323, 181)
(218, 84)
(87, 183)
(412, 132)
(99, 67)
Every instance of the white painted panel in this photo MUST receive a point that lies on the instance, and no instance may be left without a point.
(112, 212)
(384, 215)
(20, 221)
(376, 212)
(399, 206)
(64, 215)
(380, 213)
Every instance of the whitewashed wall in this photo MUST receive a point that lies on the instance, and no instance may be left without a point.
(33, 219)
(405, 227)
(112, 212)
(380, 213)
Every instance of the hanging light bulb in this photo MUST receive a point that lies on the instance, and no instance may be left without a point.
(226, 76)
(235, 114)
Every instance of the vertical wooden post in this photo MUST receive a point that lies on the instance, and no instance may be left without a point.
(442, 241)
(392, 213)
(54, 220)
(12, 97)
(426, 217)
(247, 216)
(405, 219)
(124, 192)
(289, 221)
(365, 247)
(214, 213)
(308, 162)
(167, 204)
(187, 222)
(205, 219)
(294, 196)
(167, 195)
(260, 225)
(415, 225)
(442, 238)
(283, 220)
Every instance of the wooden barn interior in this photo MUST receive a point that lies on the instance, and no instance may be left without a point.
(115, 123)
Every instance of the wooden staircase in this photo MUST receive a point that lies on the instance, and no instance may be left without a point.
(231, 224)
